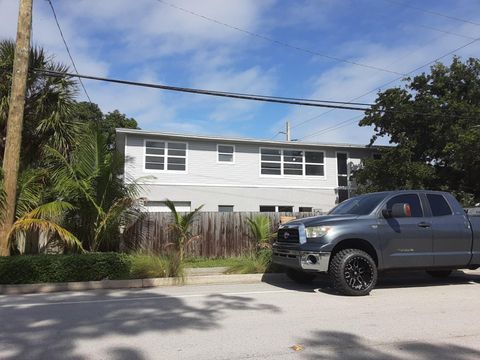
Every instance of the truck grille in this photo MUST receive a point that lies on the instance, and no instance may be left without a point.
(287, 235)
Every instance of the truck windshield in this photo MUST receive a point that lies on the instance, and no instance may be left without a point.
(359, 205)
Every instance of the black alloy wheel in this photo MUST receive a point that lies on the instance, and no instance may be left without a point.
(353, 272)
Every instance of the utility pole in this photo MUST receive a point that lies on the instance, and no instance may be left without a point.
(287, 131)
(13, 142)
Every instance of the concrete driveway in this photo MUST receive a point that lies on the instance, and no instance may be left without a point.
(407, 317)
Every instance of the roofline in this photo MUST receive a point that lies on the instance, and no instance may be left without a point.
(241, 140)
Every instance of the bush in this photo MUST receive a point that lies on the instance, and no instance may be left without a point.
(149, 266)
(28, 269)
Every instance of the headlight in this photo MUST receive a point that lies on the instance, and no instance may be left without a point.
(317, 231)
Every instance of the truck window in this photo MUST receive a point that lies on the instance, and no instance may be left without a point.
(439, 205)
(411, 199)
(359, 205)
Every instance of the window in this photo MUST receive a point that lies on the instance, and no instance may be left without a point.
(342, 177)
(225, 208)
(275, 208)
(305, 209)
(162, 155)
(291, 162)
(411, 199)
(225, 153)
(267, 208)
(439, 205)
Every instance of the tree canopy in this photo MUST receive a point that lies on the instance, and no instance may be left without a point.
(434, 124)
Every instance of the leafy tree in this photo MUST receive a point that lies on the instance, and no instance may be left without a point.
(91, 114)
(434, 123)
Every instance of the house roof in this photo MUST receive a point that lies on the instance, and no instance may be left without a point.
(121, 132)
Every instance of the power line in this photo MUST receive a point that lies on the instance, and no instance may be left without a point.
(68, 49)
(272, 99)
(392, 81)
(446, 32)
(400, 3)
(278, 42)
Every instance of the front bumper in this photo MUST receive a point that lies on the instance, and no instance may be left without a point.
(303, 260)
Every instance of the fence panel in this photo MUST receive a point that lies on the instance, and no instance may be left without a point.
(221, 234)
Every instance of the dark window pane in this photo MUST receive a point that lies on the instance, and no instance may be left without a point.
(225, 157)
(285, 209)
(155, 159)
(305, 209)
(154, 166)
(267, 208)
(297, 159)
(225, 149)
(271, 158)
(173, 160)
(342, 164)
(342, 195)
(439, 205)
(342, 181)
(270, 152)
(176, 152)
(313, 157)
(411, 199)
(225, 208)
(271, 168)
(180, 146)
(292, 169)
(293, 156)
(155, 151)
(176, 167)
(314, 170)
(155, 144)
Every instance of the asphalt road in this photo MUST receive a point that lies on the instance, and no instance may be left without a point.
(406, 317)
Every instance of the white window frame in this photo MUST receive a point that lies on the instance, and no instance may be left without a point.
(166, 156)
(304, 163)
(348, 172)
(233, 155)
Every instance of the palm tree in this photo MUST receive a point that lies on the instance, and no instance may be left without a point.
(181, 228)
(49, 104)
(33, 215)
(260, 229)
(90, 179)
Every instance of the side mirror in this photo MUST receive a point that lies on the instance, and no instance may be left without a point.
(401, 210)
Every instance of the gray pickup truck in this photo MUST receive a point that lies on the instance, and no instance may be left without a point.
(426, 230)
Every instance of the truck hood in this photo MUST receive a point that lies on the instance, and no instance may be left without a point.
(320, 220)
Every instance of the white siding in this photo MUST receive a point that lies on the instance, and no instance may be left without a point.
(213, 183)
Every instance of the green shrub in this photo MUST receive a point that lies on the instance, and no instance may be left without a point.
(28, 269)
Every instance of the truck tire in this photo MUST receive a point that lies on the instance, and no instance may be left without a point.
(300, 277)
(353, 272)
(439, 273)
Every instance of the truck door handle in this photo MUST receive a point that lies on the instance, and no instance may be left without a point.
(424, 224)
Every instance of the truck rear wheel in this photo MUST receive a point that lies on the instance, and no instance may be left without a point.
(353, 272)
(439, 273)
(300, 276)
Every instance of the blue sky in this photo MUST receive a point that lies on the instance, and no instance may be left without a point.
(147, 40)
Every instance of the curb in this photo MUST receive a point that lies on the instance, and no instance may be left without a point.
(140, 283)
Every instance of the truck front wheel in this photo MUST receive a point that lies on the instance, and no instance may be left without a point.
(353, 272)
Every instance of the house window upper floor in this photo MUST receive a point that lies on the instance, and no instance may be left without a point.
(165, 155)
(291, 162)
(226, 154)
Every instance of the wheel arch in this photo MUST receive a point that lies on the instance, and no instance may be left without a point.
(356, 243)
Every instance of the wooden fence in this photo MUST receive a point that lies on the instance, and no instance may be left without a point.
(222, 234)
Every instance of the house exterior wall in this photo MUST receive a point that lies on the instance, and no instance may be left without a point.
(208, 182)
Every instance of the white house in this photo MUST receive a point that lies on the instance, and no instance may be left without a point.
(237, 174)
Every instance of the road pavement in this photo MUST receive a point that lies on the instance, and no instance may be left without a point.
(406, 317)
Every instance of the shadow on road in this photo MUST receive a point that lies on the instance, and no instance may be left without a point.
(50, 326)
(341, 345)
(402, 279)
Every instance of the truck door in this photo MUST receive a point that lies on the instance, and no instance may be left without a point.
(452, 236)
(407, 241)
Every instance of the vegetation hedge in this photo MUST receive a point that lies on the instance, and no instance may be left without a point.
(28, 269)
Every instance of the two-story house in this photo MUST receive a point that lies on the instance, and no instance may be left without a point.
(237, 174)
